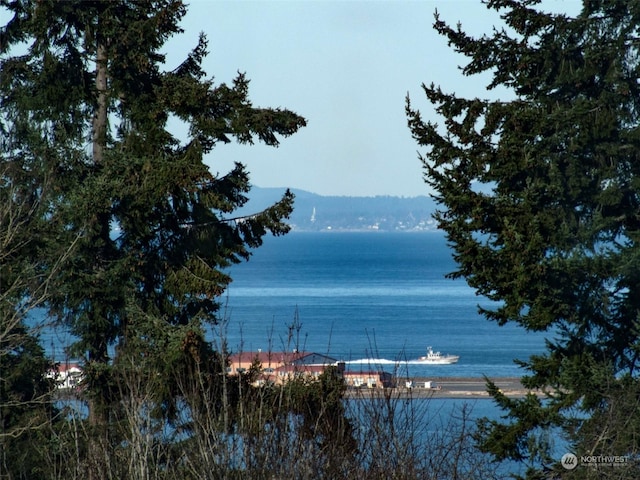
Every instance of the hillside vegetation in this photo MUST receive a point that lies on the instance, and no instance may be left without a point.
(313, 212)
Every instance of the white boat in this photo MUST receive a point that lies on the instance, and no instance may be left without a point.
(436, 358)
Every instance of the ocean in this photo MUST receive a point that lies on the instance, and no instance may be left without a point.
(367, 297)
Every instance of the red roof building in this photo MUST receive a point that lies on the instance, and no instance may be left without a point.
(280, 367)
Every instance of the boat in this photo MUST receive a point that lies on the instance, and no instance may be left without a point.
(436, 358)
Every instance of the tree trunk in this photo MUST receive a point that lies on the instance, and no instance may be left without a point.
(98, 417)
(100, 115)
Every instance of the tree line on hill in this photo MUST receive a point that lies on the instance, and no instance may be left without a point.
(314, 212)
(116, 227)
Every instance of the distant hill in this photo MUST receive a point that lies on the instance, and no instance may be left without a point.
(314, 212)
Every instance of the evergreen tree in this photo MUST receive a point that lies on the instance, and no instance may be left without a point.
(154, 228)
(25, 391)
(539, 197)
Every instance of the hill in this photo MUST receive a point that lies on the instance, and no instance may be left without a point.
(314, 212)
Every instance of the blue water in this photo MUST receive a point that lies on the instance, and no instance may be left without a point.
(372, 297)
(379, 296)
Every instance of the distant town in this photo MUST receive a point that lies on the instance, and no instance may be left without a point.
(314, 213)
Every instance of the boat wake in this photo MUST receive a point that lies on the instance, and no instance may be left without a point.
(374, 361)
(384, 361)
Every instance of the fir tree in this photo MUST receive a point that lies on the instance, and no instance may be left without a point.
(153, 227)
(26, 407)
(539, 196)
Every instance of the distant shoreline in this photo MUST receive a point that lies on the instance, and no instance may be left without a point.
(296, 230)
(471, 388)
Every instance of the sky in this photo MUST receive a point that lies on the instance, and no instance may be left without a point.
(346, 66)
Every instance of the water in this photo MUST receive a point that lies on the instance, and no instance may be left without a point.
(361, 296)
(378, 298)
(369, 297)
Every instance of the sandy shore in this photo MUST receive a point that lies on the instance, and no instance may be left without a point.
(448, 387)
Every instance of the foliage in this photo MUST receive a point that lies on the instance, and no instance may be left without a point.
(26, 408)
(87, 107)
(92, 71)
(539, 200)
(124, 236)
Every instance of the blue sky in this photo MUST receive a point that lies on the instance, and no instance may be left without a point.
(346, 66)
